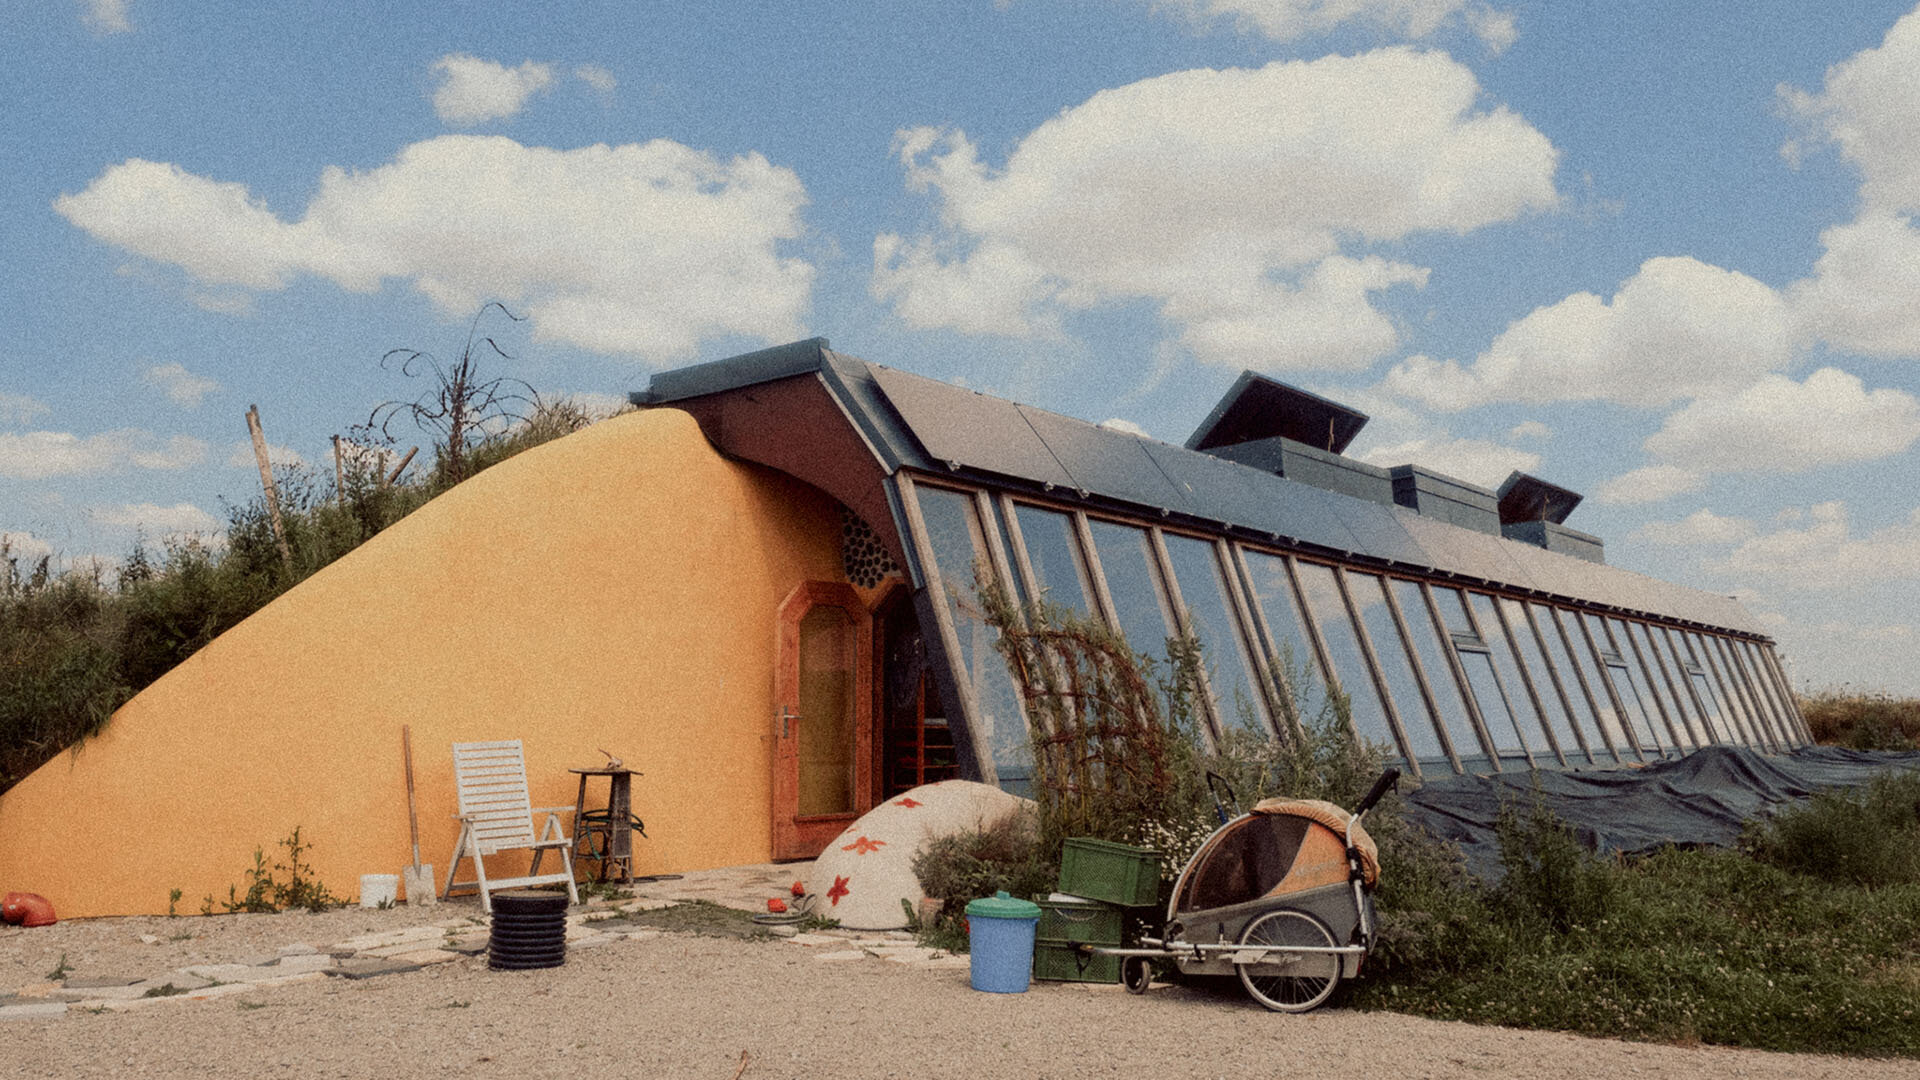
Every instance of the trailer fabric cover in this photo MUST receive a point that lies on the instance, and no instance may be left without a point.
(1706, 797)
(1333, 818)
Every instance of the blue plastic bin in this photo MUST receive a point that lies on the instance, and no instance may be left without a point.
(1000, 937)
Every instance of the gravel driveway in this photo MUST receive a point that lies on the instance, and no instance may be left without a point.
(678, 1005)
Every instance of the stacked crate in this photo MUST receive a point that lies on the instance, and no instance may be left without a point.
(1099, 879)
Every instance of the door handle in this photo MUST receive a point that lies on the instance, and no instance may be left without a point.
(787, 717)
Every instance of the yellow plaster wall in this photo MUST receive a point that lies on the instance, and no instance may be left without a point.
(615, 589)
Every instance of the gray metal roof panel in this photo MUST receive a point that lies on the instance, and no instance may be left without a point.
(1378, 531)
(1220, 490)
(796, 358)
(959, 427)
(1112, 463)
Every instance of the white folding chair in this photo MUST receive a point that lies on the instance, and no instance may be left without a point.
(496, 814)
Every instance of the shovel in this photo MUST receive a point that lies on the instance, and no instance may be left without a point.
(418, 879)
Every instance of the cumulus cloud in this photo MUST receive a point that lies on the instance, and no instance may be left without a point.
(35, 455)
(1230, 199)
(1702, 527)
(106, 16)
(1654, 483)
(241, 455)
(1825, 553)
(181, 386)
(473, 91)
(640, 249)
(1864, 293)
(1289, 20)
(19, 408)
(179, 521)
(1476, 461)
(24, 546)
(1784, 426)
(1677, 329)
(1530, 429)
(597, 77)
(1118, 423)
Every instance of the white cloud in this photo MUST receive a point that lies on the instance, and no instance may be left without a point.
(1778, 425)
(1530, 429)
(241, 456)
(473, 90)
(597, 77)
(1654, 483)
(180, 386)
(24, 546)
(1864, 294)
(641, 249)
(1289, 20)
(1866, 108)
(1677, 329)
(19, 408)
(181, 520)
(36, 455)
(1117, 423)
(106, 16)
(1826, 554)
(1227, 198)
(1897, 633)
(1476, 461)
(1702, 527)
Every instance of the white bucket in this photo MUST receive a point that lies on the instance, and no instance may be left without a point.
(379, 890)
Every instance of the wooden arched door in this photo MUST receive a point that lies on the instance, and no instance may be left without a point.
(823, 717)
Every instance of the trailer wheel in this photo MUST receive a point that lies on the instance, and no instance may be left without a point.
(1136, 972)
(1290, 982)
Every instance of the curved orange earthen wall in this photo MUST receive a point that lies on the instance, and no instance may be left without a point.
(614, 589)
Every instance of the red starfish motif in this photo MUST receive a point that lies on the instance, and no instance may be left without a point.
(908, 803)
(864, 846)
(839, 890)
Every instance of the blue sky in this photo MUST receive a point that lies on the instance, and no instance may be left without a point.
(1664, 254)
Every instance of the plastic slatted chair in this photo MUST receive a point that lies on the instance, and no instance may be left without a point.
(496, 814)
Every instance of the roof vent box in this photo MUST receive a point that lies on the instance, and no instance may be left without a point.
(1556, 537)
(1307, 465)
(1529, 498)
(1443, 498)
(1257, 408)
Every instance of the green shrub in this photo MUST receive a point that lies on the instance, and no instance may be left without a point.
(965, 866)
(1868, 837)
(1550, 875)
(1862, 721)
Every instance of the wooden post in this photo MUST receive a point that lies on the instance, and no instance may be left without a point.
(400, 468)
(266, 482)
(339, 476)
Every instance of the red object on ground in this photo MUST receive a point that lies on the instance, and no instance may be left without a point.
(776, 905)
(799, 888)
(27, 909)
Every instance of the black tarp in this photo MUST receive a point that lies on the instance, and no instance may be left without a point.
(1705, 797)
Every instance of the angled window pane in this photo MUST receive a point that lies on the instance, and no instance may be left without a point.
(1707, 648)
(1293, 651)
(1562, 631)
(1370, 598)
(1139, 596)
(1677, 683)
(1691, 676)
(1329, 614)
(1637, 673)
(1453, 609)
(1570, 701)
(1627, 684)
(1521, 634)
(1526, 717)
(1767, 663)
(1737, 674)
(1054, 555)
(1494, 708)
(1769, 695)
(1197, 570)
(1432, 651)
(959, 545)
(1657, 671)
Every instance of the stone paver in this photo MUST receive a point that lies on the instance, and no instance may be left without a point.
(34, 1011)
(367, 969)
(425, 957)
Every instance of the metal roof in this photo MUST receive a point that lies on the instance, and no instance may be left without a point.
(915, 422)
(1257, 407)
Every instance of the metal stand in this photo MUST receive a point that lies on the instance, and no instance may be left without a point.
(607, 835)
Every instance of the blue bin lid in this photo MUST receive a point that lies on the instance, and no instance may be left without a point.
(1002, 906)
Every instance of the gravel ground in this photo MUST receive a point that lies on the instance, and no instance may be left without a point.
(679, 1005)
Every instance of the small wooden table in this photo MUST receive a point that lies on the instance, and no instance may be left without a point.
(613, 827)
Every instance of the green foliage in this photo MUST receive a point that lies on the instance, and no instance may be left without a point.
(267, 893)
(1010, 855)
(60, 970)
(1862, 721)
(74, 648)
(1869, 837)
(1550, 875)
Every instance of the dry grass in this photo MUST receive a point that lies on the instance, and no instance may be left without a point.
(1862, 721)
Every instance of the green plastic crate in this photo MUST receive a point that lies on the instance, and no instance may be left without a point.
(1104, 870)
(1077, 920)
(1068, 961)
